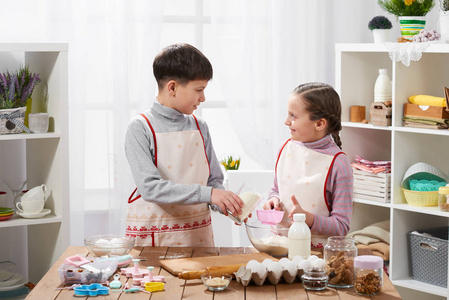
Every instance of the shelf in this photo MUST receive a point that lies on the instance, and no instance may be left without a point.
(429, 210)
(34, 47)
(421, 286)
(29, 136)
(365, 126)
(374, 203)
(423, 131)
(19, 221)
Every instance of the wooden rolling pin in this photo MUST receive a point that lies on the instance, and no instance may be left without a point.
(211, 270)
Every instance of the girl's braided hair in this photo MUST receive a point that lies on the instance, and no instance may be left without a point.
(322, 101)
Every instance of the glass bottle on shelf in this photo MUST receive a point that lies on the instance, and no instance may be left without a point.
(382, 87)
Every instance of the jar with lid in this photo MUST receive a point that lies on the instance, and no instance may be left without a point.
(443, 198)
(368, 274)
(339, 254)
(314, 279)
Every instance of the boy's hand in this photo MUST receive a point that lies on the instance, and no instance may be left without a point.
(227, 200)
(272, 203)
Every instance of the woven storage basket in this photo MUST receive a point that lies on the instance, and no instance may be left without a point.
(429, 256)
(3, 122)
(421, 198)
(422, 171)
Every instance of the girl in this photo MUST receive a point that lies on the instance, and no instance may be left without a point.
(313, 176)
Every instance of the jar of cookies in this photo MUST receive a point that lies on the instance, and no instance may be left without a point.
(368, 274)
(339, 254)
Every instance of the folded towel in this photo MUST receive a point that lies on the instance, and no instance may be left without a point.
(378, 232)
(379, 249)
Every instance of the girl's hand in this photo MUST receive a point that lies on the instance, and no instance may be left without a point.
(227, 200)
(272, 203)
(298, 209)
(244, 221)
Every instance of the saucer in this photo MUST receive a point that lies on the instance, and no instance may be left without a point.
(44, 212)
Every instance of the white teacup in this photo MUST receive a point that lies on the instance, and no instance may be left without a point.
(30, 207)
(35, 194)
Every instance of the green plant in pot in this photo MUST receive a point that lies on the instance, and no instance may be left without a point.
(16, 89)
(380, 26)
(410, 13)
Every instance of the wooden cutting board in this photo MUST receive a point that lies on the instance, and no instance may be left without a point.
(179, 265)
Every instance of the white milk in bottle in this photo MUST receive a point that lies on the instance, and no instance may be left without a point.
(299, 236)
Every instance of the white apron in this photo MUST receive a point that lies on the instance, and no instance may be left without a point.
(304, 172)
(181, 158)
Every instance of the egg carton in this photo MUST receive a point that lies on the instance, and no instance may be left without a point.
(274, 271)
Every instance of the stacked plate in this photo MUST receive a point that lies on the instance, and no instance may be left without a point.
(5, 213)
(10, 282)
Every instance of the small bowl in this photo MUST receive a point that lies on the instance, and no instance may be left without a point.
(216, 282)
(109, 244)
(271, 217)
(269, 239)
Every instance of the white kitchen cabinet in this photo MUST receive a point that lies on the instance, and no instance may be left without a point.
(35, 244)
(357, 68)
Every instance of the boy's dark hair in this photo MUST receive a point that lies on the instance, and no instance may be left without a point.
(322, 101)
(183, 63)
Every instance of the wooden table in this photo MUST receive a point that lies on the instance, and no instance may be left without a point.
(194, 289)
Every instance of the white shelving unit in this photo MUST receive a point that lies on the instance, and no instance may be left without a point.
(43, 158)
(356, 72)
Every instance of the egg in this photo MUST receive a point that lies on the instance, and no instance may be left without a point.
(319, 263)
(102, 243)
(304, 264)
(297, 259)
(267, 262)
(312, 258)
(256, 267)
(291, 267)
(284, 262)
(276, 268)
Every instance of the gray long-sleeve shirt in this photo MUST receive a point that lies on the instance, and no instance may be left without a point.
(139, 149)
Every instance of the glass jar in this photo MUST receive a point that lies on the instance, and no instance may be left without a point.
(339, 254)
(443, 198)
(368, 274)
(314, 279)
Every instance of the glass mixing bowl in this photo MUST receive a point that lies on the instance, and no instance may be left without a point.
(109, 244)
(266, 238)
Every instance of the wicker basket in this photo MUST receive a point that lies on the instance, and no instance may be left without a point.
(9, 127)
(421, 198)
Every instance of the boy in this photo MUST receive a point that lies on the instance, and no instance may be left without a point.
(172, 159)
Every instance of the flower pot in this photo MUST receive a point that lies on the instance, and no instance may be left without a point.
(444, 26)
(380, 35)
(411, 26)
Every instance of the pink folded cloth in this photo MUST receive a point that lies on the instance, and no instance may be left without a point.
(373, 170)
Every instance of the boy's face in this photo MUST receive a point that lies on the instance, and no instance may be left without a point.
(188, 97)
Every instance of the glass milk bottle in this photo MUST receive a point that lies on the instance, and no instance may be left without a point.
(299, 237)
(382, 87)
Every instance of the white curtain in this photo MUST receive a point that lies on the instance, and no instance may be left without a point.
(269, 47)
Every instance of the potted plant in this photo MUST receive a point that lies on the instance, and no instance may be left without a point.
(15, 99)
(444, 20)
(380, 26)
(411, 14)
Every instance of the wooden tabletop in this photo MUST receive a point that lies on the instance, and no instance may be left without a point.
(194, 289)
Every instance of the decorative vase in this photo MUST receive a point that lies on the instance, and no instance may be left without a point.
(380, 35)
(411, 26)
(444, 26)
(28, 111)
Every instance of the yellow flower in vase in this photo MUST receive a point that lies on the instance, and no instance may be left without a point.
(230, 164)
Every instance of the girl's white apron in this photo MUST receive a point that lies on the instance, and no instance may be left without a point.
(181, 158)
(303, 172)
